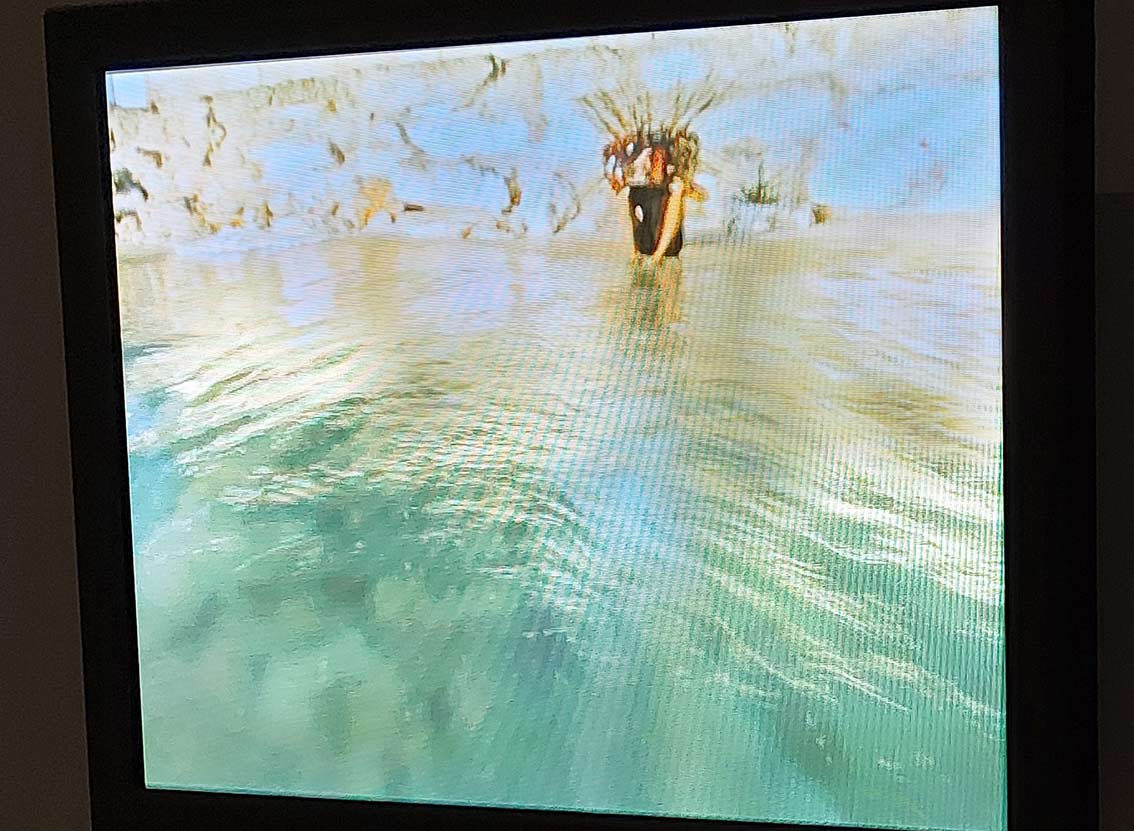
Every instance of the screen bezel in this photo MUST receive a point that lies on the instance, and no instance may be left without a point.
(1048, 342)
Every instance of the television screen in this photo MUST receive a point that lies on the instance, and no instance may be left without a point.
(608, 423)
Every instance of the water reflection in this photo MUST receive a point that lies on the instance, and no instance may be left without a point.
(495, 524)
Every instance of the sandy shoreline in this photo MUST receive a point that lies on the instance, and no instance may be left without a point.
(973, 234)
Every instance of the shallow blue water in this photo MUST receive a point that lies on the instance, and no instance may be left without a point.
(504, 525)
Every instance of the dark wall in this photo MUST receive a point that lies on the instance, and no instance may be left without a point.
(1115, 363)
(1115, 414)
(42, 753)
(1114, 161)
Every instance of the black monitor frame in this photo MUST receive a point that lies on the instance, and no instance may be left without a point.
(1047, 70)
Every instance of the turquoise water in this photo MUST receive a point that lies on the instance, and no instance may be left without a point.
(514, 525)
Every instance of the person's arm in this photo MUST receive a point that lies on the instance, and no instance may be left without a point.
(671, 220)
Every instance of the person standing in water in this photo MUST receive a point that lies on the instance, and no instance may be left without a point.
(654, 168)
